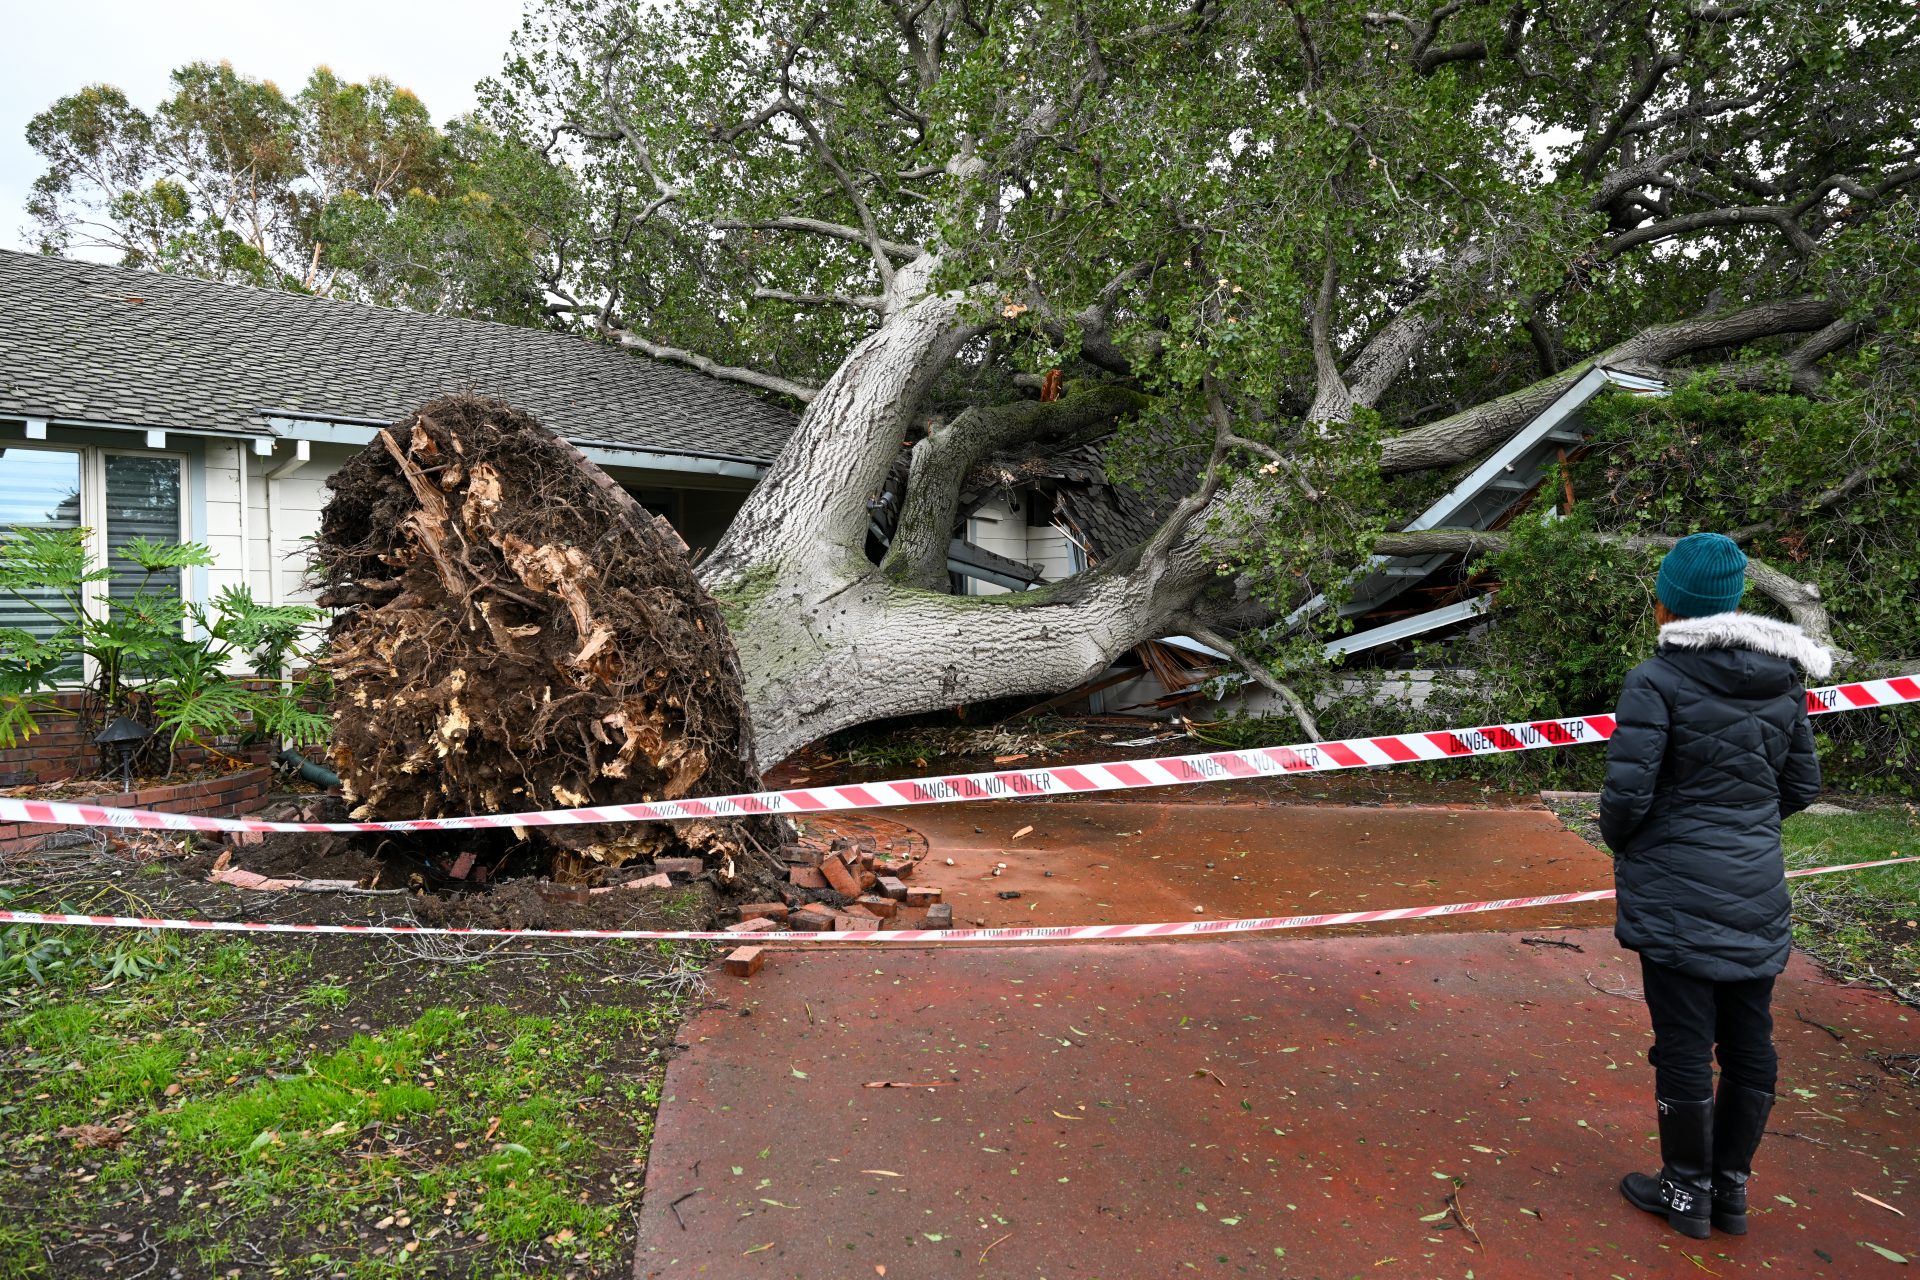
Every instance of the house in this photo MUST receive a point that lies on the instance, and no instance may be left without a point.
(176, 408)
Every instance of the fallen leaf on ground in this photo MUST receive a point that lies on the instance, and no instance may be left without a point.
(885, 1173)
(1885, 1252)
(1882, 1203)
(759, 1248)
(1204, 1072)
(87, 1136)
(1022, 831)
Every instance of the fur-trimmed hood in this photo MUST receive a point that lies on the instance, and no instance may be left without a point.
(1750, 631)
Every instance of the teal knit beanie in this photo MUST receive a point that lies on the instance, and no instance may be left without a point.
(1704, 573)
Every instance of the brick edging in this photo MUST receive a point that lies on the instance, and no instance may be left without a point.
(231, 795)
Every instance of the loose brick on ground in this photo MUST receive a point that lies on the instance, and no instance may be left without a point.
(774, 910)
(839, 877)
(744, 962)
(893, 888)
(688, 867)
(922, 895)
(879, 905)
(940, 916)
(759, 924)
(806, 878)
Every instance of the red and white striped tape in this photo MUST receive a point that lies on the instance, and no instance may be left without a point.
(1045, 933)
(1018, 784)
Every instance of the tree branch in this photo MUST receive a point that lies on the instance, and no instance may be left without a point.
(863, 302)
(1801, 600)
(942, 459)
(1468, 433)
(751, 377)
(1260, 674)
(818, 227)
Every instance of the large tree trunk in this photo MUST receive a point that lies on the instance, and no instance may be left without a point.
(826, 638)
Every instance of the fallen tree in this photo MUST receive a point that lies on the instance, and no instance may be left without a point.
(1329, 253)
(514, 632)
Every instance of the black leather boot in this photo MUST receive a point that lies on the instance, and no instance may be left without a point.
(1684, 1189)
(1739, 1122)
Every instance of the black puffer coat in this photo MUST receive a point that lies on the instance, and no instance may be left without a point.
(1711, 750)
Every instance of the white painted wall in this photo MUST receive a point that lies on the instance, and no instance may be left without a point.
(995, 526)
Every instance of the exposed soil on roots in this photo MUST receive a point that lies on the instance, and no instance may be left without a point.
(514, 632)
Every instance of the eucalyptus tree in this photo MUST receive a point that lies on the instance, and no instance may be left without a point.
(343, 188)
(1327, 248)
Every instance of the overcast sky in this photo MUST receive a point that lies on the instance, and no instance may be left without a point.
(48, 48)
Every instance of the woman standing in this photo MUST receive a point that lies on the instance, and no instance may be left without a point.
(1711, 749)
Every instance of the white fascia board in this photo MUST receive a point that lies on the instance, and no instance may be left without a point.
(605, 455)
(1406, 628)
(1569, 402)
(1194, 646)
(1584, 388)
(36, 429)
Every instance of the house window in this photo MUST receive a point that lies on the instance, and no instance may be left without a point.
(118, 496)
(142, 501)
(39, 489)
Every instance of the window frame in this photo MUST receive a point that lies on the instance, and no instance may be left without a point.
(93, 514)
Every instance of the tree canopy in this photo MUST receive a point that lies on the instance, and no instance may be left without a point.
(1317, 254)
(343, 188)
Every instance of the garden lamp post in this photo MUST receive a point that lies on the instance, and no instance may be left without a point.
(125, 736)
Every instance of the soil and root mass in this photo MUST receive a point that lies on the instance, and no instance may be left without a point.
(513, 631)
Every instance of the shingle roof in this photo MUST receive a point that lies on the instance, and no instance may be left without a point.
(107, 344)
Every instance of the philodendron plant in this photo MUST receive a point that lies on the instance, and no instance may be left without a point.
(191, 673)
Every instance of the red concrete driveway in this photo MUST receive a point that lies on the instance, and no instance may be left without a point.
(1279, 1107)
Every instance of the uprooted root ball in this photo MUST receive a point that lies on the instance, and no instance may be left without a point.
(515, 632)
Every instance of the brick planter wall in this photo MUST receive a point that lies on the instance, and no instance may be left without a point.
(231, 796)
(63, 750)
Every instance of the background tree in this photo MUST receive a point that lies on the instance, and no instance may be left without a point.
(1311, 255)
(347, 189)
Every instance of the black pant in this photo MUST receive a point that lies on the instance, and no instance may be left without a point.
(1693, 1017)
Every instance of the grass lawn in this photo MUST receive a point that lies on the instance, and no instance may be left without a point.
(190, 1106)
(1860, 924)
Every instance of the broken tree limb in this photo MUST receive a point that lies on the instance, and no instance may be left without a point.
(515, 632)
(1801, 600)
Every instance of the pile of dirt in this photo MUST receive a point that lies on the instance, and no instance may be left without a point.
(526, 904)
(514, 632)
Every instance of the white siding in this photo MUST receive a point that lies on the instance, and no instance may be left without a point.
(1049, 551)
(996, 527)
(222, 481)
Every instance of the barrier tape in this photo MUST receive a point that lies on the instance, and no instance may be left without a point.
(1020, 784)
(1042, 933)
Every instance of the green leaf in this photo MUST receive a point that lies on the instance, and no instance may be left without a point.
(1885, 1252)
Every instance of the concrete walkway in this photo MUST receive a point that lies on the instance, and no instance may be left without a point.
(1280, 1107)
